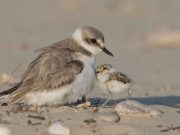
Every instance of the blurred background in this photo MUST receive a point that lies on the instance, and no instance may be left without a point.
(144, 36)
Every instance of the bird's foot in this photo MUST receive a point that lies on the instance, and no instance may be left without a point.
(84, 99)
(84, 105)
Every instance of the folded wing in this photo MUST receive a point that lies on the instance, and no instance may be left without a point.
(50, 70)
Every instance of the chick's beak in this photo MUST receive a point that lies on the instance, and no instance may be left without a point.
(107, 51)
(96, 72)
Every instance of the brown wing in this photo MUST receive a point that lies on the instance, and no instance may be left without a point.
(64, 77)
(52, 69)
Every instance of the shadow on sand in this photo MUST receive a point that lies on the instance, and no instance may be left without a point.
(170, 101)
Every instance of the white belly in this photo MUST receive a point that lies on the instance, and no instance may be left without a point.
(117, 86)
(83, 84)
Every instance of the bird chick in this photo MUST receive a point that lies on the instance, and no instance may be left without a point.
(112, 81)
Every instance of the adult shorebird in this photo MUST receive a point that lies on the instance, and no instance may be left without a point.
(63, 72)
(112, 81)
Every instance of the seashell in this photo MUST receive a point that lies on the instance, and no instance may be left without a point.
(5, 131)
(58, 129)
(134, 108)
(109, 117)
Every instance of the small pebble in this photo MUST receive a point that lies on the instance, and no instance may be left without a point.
(109, 117)
(95, 109)
(29, 122)
(159, 126)
(87, 103)
(89, 121)
(7, 79)
(178, 111)
(4, 104)
(5, 130)
(36, 117)
(58, 129)
(4, 78)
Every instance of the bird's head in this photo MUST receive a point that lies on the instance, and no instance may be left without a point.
(91, 39)
(104, 69)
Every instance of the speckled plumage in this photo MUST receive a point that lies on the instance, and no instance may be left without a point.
(112, 81)
(119, 77)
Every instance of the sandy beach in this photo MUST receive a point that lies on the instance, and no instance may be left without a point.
(144, 37)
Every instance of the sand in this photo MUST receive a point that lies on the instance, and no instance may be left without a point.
(129, 27)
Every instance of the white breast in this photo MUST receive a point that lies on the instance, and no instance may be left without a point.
(85, 80)
(101, 79)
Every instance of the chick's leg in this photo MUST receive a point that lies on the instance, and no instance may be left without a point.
(129, 94)
(109, 96)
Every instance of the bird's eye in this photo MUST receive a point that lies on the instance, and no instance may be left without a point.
(93, 40)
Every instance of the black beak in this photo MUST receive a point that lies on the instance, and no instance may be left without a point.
(96, 72)
(107, 51)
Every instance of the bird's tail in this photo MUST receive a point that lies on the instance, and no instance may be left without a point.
(7, 92)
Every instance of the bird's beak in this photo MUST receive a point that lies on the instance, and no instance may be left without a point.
(96, 72)
(107, 51)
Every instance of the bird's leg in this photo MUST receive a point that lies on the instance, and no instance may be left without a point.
(109, 98)
(84, 99)
(129, 94)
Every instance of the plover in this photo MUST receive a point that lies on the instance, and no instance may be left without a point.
(63, 72)
(112, 81)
